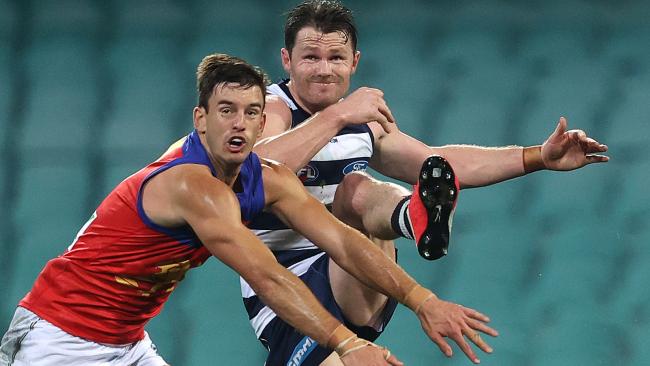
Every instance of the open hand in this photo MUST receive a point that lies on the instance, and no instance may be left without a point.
(441, 319)
(568, 150)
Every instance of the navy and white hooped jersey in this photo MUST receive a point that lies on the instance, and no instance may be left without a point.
(350, 150)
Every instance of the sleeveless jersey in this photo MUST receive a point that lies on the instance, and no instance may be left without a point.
(122, 267)
(350, 150)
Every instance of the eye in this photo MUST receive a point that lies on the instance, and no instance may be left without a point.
(311, 57)
(336, 58)
(253, 112)
(225, 110)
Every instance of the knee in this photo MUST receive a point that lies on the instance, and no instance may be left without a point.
(352, 192)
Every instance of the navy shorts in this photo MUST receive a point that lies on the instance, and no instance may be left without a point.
(288, 347)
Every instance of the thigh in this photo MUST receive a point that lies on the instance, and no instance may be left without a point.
(286, 345)
(34, 341)
(366, 311)
(144, 353)
(21, 324)
(289, 347)
(367, 204)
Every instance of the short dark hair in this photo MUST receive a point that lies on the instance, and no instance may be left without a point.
(325, 15)
(221, 68)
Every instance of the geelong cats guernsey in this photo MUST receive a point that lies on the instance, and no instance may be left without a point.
(350, 150)
(122, 267)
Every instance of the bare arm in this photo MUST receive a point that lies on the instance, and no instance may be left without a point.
(212, 210)
(399, 156)
(361, 258)
(346, 246)
(295, 147)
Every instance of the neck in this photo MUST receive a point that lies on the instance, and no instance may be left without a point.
(226, 172)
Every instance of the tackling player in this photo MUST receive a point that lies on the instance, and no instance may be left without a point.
(90, 305)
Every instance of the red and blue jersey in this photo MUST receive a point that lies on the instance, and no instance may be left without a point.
(122, 267)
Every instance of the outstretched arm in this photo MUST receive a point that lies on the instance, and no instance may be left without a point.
(212, 210)
(361, 258)
(399, 156)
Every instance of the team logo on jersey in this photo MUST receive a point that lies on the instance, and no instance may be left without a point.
(308, 174)
(355, 166)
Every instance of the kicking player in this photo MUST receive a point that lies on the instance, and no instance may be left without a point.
(329, 141)
(90, 305)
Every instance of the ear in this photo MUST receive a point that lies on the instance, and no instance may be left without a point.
(286, 60)
(200, 122)
(355, 61)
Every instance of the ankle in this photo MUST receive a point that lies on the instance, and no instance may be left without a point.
(400, 220)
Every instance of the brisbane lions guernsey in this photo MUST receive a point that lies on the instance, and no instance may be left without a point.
(122, 267)
(350, 150)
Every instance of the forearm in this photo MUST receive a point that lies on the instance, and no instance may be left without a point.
(297, 146)
(292, 301)
(306, 314)
(400, 156)
(477, 166)
(370, 265)
(283, 292)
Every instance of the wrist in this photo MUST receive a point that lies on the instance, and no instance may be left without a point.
(349, 343)
(532, 159)
(332, 116)
(340, 337)
(417, 297)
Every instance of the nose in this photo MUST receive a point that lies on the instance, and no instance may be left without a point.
(238, 123)
(323, 67)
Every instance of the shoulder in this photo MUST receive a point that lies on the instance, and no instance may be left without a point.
(275, 171)
(277, 108)
(189, 182)
(171, 196)
(278, 179)
(276, 99)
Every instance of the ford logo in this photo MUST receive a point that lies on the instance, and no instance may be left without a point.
(359, 165)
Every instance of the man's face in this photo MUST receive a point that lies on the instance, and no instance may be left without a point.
(234, 122)
(320, 67)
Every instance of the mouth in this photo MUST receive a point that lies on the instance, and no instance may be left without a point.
(236, 144)
(323, 81)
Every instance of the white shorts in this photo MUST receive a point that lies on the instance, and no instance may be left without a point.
(33, 341)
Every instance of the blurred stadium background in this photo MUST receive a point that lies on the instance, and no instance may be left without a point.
(92, 90)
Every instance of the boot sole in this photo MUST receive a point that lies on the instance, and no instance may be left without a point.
(438, 192)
